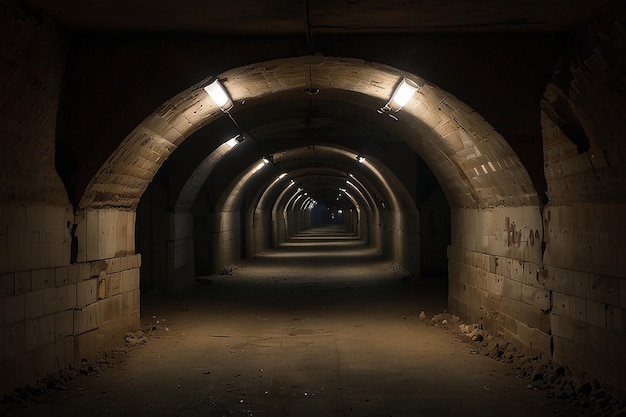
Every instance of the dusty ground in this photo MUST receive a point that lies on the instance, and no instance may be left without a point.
(320, 327)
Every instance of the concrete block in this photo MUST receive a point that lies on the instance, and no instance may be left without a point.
(561, 326)
(130, 280)
(50, 300)
(581, 284)
(560, 304)
(554, 279)
(616, 319)
(23, 283)
(580, 332)
(74, 273)
(604, 289)
(85, 346)
(48, 278)
(62, 298)
(64, 324)
(36, 277)
(113, 307)
(107, 222)
(14, 309)
(124, 263)
(536, 340)
(102, 288)
(114, 265)
(59, 254)
(34, 304)
(85, 319)
(511, 307)
(517, 270)
(32, 334)
(14, 339)
(114, 284)
(86, 292)
(503, 267)
(494, 284)
(7, 285)
(136, 261)
(531, 273)
(62, 276)
(512, 289)
(528, 294)
(596, 314)
(578, 309)
(47, 330)
(97, 267)
(84, 271)
(543, 299)
(69, 349)
(92, 235)
(71, 296)
(60, 361)
(530, 316)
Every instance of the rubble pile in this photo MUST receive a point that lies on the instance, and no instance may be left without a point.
(542, 374)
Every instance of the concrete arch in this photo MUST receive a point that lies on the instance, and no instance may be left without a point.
(235, 228)
(467, 156)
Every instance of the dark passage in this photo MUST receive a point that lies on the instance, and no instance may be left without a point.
(322, 326)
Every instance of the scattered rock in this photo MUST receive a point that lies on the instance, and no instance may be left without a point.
(422, 316)
(557, 381)
(136, 338)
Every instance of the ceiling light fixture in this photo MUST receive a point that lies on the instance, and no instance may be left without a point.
(219, 95)
(234, 141)
(401, 96)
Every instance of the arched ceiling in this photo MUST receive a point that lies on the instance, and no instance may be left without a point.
(472, 162)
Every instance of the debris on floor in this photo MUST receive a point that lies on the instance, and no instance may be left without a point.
(135, 338)
(543, 374)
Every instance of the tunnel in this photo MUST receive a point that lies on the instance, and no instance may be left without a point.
(349, 163)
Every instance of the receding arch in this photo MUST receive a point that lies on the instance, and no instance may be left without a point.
(468, 157)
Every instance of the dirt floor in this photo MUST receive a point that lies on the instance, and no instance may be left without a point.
(322, 326)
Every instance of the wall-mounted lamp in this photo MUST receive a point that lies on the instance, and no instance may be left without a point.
(401, 95)
(219, 95)
(234, 141)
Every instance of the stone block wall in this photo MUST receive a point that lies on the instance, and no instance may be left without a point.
(496, 273)
(226, 238)
(52, 317)
(585, 269)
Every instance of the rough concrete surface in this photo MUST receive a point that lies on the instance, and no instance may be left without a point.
(318, 327)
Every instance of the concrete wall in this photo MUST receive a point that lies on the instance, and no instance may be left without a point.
(68, 284)
(495, 273)
(54, 312)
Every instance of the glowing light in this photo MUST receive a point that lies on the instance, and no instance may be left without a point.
(219, 95)
(232, 142)
(360, 158)
(281, 176)
(404, 92)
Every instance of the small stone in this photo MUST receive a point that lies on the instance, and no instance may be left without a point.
(422, 316)
(584, 388)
